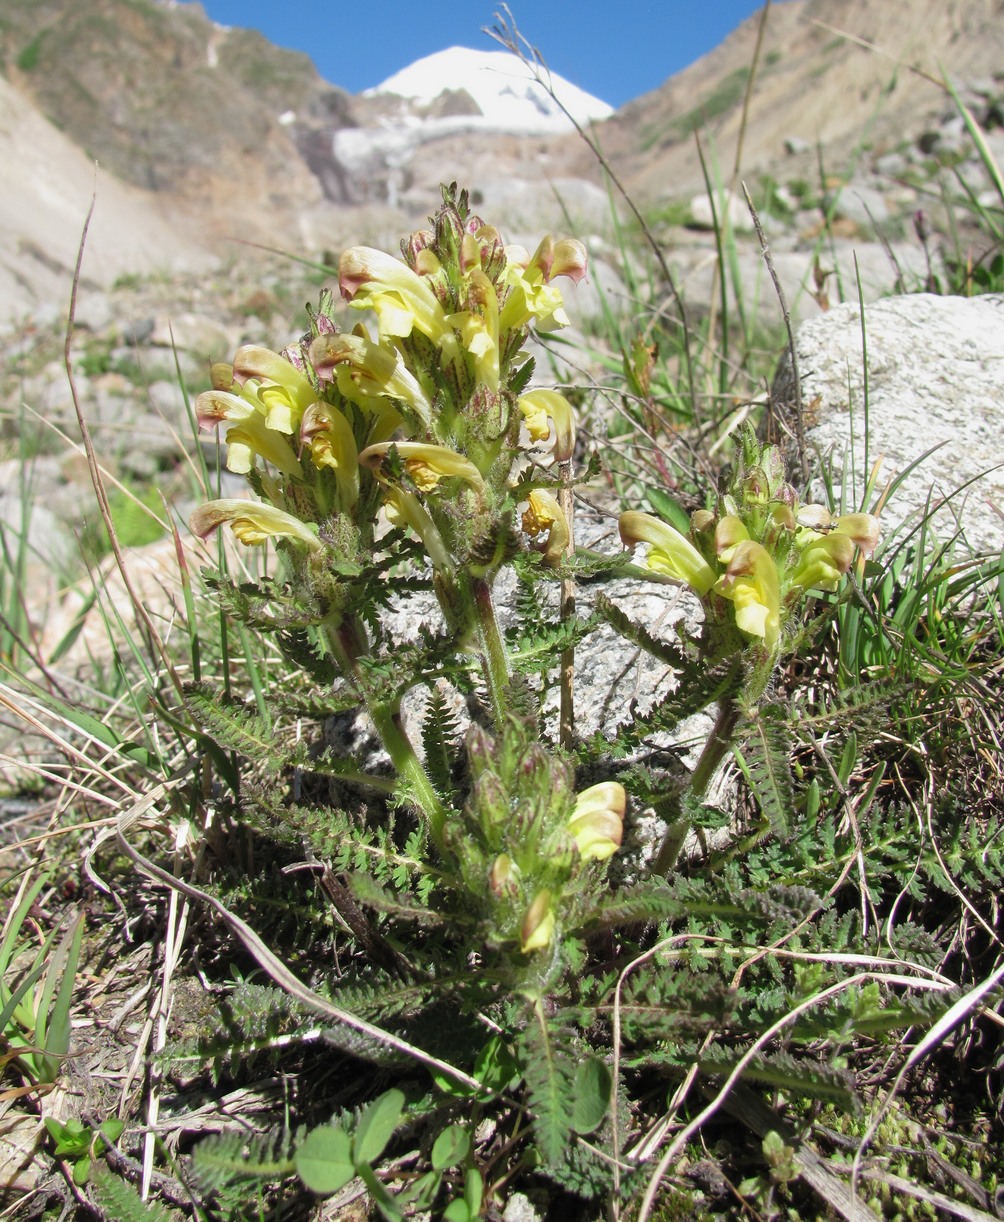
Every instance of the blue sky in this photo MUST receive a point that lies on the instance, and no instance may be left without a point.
(614, 49)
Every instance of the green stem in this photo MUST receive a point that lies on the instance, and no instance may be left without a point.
(494, 656)
(345, 641)
(715, 749)
(409, 767)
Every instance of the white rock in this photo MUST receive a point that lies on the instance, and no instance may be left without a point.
(935, 383)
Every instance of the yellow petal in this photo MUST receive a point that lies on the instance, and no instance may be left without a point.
(670, 553)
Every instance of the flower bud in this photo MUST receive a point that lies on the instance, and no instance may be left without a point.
(221, 376)
(597, 822)
(413, 245)
(537, 928)
(503, 878)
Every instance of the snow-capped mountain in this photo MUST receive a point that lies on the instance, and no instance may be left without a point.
(502, 87)
(451, 99)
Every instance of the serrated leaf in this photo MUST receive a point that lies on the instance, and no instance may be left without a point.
(550, 1074)
(324, 1161)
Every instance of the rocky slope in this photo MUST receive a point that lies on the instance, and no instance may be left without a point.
(844, 74)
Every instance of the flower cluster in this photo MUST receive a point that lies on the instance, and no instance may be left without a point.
(533, 836)
(755, 558)
(425, 419)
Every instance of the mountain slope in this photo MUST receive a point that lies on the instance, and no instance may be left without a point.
(816, 83)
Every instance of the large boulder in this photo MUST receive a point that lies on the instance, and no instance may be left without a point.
(931, 394)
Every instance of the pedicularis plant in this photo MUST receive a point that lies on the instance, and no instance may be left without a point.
(416, 456)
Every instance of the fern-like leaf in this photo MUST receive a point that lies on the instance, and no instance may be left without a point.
(120, 1200)
(226, 1159)
(236, 726)
(781, 1071)
(440, 731)
(549, 1065)
(667, 652)
(766, 763)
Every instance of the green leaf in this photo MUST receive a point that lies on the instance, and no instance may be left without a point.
(765, 762)
(112, 1129)
(324, 1161)
(592, 1095)
(451, 1147)
(457, 1211)
(549, 1067)
(496, 1066)
(120, 1200)
(669, 509)
(71, 1139)
(474, 1189)
(376, 1126)
(57, 1038)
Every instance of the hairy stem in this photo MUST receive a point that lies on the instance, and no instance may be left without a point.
(715, 749)
(494, 656)
(345, 642)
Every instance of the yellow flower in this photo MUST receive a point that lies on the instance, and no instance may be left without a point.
(250, 437)
(479, 327)
(537, 406)
(670, 553)
(402, 300)
(252, 522)
(729, 533)
(425, 464)
(405, 509)
(332, 444)
(282, 390)
(751, 582)
(597, 822)
(370, 375)
(827, 554)
(531, 296)
(544, 513)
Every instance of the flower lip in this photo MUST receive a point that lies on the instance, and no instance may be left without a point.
(252, 522)
(537, 406)
(426, 464)
(751, 582)
(670, 553)
(544, 513)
